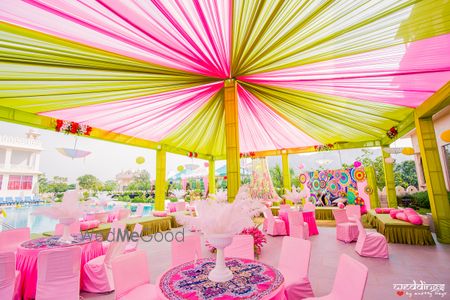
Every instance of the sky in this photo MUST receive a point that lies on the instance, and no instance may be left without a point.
(107, 159)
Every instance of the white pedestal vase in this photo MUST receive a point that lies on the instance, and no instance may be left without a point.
(220, 273)
(66, 237)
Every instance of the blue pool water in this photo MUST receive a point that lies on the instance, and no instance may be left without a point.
(20, 217)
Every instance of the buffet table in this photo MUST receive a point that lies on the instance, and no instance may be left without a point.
(252, 280)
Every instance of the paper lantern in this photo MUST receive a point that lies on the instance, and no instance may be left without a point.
(180, 168)
(357, 164)
(408, 151)
(389, 160)
(140, 160)
(301, 166)
(445, 136)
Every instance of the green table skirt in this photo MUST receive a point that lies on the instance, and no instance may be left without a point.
(400, 232)
(325, 213)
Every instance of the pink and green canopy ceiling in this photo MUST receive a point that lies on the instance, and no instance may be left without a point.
(308, 72)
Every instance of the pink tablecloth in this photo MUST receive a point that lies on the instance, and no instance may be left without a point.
(27, 254)
(308, 217)
(252, 280)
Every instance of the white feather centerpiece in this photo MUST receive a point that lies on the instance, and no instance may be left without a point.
(295, 196)
(220, 221)
(179, 194)
(67, 212)
(219, 196)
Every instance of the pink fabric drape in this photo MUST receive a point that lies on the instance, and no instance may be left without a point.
(184, 183)
(190, 35)
(151, 117)
(402, 75)
(260, 128)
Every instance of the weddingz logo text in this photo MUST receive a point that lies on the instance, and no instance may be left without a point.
(118, 235)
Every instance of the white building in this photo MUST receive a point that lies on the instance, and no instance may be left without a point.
(19, 165)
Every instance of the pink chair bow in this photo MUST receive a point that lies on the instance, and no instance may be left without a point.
(132, 278)
(297, 226)
(188, 249)
(346, 231)
(241, 247)
(309, 207)
(350, 280)
(294, 265)
(59, 274)
(371, 244)
(9, 277)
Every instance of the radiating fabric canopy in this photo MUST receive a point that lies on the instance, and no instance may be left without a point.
(308, 72)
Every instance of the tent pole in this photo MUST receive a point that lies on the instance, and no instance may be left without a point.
(160, 184)
(390, 181)
(232, 138)
(212, 177)
(286, 173)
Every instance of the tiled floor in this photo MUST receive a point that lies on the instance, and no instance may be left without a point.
(406, 263)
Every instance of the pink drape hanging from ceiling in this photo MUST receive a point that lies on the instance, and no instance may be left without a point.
(189, 35)
(260, 128)
(151, 117)
(403, 75)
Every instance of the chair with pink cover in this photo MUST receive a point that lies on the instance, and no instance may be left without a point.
(353, 212)
(133, 240)
(349, 282)
(297, 226)
(114, 230)
(132, 277)
(11, 239)
(371, 244)
(98, 271)
(275, 226)
(294, 265)
(59, 274)
(9, 277)
(123, 214)
(187, 250)
(309, 207)
(74, 228)
(346, 231)
(241, 247)
(139, 211)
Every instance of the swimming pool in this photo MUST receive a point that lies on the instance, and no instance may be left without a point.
(20, 217)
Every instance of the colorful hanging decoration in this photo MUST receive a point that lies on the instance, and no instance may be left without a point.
(408, 151)
(192, 154)
(333, 186)
(392, 133)
(180, 168)
(359, 201)
(303, 178)
(69, 127)
(445, 136)
(344, 180)
(368, 189)
(73, 153)
(140, 160)
(358, 174)
(247, 154)
(326, 147)
(357, 164)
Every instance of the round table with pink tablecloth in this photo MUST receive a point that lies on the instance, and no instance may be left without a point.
(27, 255)
(251, 280)
(308, 217)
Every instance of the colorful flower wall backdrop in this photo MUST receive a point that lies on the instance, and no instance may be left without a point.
(308, 72)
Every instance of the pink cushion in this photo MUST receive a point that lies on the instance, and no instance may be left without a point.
(401, 216)
(394, 212)
(379, 210)
(86, 225)
(415, 219)
(160, 214)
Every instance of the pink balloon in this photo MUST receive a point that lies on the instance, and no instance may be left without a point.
(357, 164)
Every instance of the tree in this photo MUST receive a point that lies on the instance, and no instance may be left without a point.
(89, 182)
(110, 185)
(140, 182)
(43, 183)
(405, 174)
(58, 185)
(277, 177)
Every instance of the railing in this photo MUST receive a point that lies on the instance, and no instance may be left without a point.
(6, 225)
(16, 167)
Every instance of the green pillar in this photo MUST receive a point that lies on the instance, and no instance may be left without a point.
(212, 176)
(434, 177)
(160, 184)
(372, 182)
(390, 181)
(286, 173)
